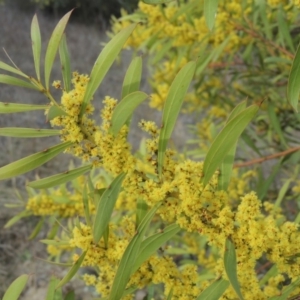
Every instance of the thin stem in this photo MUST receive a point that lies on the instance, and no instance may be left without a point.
(265, 158)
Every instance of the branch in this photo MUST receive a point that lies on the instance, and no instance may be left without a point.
(265, 158)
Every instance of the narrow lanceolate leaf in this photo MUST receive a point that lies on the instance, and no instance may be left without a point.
(65, 63)
(37, 229)
(230, 264)
(27, 132)
(72, 271)
(15, 289)
(59, 179)
(7, 79)
(227, 164)
(124, 110)
(215, 290)
(132, 77)
(55, 111)
(105, 207)
(153, 243)
(284, 29)
(269, 274)
(172, 107)
(53, 46)
(275, 122)
(36, 45)
(210, 11)
(225, 139)
(55, 243)
(129, 257)
(11, 69)
(85, 200)
(170, 295)
(293, 87)
(141, 211)
(104, 62)
(51, 288)
(9, 108)
(31, 162)
(18, 217)
(287, 291)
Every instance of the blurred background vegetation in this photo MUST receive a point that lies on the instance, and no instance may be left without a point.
(87, 12)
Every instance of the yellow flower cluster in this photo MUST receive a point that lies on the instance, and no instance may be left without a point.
(104, 257)
(199, 210)
(175, 34)
(60, 202)
(90, 142)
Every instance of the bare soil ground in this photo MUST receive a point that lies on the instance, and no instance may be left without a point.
(18, 255)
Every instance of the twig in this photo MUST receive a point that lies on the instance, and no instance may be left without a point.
(252, 32)
(265, 158)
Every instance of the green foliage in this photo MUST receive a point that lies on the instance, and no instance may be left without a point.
(158, 218)
(15, 289)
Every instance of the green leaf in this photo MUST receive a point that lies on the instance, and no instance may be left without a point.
(16, 218)
(227, 164)
(59, 179)
(70, 296)
(106, 236)
(284, 29)
(53, 46)
(165, 48)
(141, 211)
(249, 142)
(36, 45)
(55, 111)
(37, 229)
(210, 11)
(215, 290)
(213, 56)
(11, 69)
(54, 293)
(85, 200)
(271, 273)
(293, 87)
(172, 107)
(72, 271)
(129, 257)
(15, 289)
(226, 169)
(55, 242)
(276, 124)
(7, 79)
(65, 63)
(224, 141)
(10, 108)
(170, 295)
(264, 184)
(104, 62)
(282, 192)
(230, 267)
(129, 291)
(152, 243)
(132, 77)
(28, 132)
(124, 110)
(31, 162)
(266, 28)
(105, 207)
(287, 291)
(56, 263)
